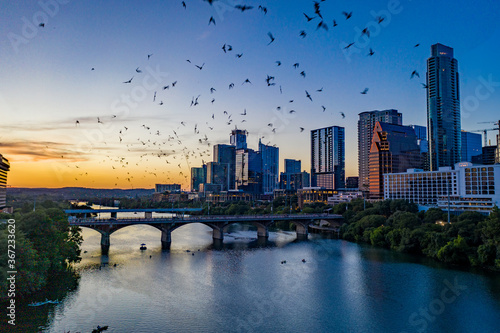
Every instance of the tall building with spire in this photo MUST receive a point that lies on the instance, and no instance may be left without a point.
(443, 108)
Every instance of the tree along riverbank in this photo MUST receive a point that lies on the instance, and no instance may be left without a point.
(470, 240)
(45, 246)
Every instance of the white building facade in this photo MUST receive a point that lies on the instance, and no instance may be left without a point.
(466, 187)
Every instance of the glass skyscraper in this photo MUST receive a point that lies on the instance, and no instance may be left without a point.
(270, 167)
(225, 154)
(198, 176)
(292, 166)
(366, 124)
(443, 108)
(248, 170)
(328, 157)
(471, 146)
(238, 138)
(394, 149)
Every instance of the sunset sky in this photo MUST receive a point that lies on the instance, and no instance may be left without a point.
(59, 79)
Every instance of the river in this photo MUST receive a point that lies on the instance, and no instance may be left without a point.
(243, 286)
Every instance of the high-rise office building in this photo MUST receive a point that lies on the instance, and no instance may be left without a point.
(248, 170)
(366, 124)
(270, 167)
(443, 108)
(198, 176)
(421, 133)
(293, 179)
(394, 149)
(4, 169)
(238, 138)
(218, 174)
(471, 146)
(292, 166)
(328, 157)
(225, 154)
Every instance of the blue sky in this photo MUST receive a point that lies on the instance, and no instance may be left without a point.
(48, 82)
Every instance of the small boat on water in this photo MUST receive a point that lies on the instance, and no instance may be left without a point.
(100, 329)
(143, 247)
(44, 302)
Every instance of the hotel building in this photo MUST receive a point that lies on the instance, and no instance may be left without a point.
(467, 187)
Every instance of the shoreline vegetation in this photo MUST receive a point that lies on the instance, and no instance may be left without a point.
(46, 246)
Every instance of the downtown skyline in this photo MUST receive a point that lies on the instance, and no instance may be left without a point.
(64, 101)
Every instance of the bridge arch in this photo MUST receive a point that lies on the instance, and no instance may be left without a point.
(262, 228)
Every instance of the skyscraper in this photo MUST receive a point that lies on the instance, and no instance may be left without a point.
(292, 166)
(443, 108)
(366, 124)
(248, 170)
(218, 174)
(198, 176)
(328, 157)
(4, 168)
(238, 138)
(225, 154)
(394, 149)
(471, 146)
(270, 167)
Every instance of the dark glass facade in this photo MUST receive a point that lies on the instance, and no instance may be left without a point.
(248, 170)
(366, 124)
(292, 166)
(471, 146)
(238, 139)
(226, 154)
(443, 108)
(394, 149)
(270, 167)
(328, 157)
(198, 176)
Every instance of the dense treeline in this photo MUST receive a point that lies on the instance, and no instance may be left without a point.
(471, 239)
(45, 246)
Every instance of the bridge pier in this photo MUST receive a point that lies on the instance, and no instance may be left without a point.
(218, 234)
(301, 231)
(105, 243)
(166, 239)
(262, 231)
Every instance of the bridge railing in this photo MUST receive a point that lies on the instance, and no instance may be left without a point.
(79, 221)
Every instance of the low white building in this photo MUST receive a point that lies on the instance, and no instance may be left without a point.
(343, 197)
(466, 187)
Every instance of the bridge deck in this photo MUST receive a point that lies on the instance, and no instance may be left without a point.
(204, 219)
(132, 210)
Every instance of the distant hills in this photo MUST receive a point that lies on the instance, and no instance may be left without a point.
(79, 192)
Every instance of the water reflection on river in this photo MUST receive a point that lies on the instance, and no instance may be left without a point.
(242, 286)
